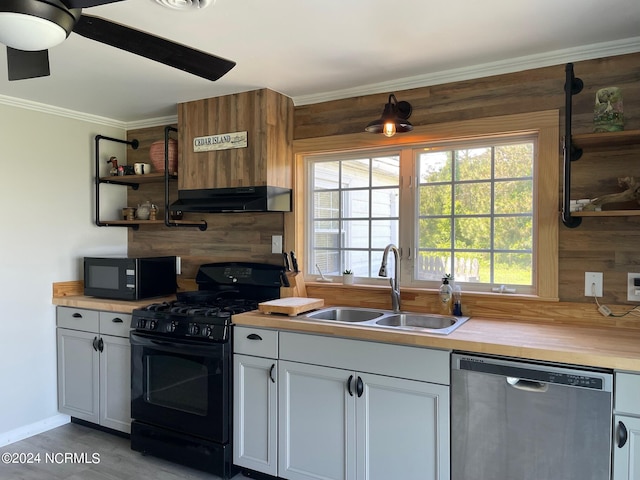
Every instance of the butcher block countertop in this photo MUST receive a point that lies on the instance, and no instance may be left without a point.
(605, 347)
(596, 347)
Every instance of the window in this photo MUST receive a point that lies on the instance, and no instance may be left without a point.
(480, 203)
(354, 211)
(475, 212)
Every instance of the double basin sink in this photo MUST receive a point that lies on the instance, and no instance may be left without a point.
(422, 322)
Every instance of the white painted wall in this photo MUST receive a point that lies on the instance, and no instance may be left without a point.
(47, 205)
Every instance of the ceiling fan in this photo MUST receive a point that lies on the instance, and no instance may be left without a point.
(29, 27)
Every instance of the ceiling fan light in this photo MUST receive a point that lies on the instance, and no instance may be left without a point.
(26, 32)
(185, 4)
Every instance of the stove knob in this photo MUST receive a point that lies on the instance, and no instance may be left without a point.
(171, 327)
(194, 329)
(151, 325)
(142, 323)
(207, 331)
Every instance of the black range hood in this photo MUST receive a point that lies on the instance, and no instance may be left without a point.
(238, 199)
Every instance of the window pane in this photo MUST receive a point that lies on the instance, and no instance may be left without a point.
(473, 233)
(355, 173)
(356, 234)
(473, 164)
(473, 198)
(385, 171)
(513, 233)
(435, 200)
(355, 204)
(385, 202)
(514, 160)
(431, 266)
(384, 232)
(513, 268)
(435, 233)
(326, 204)
(326, 234)
(326, 175)
(514, 196)
(328, 261)
(435, 167)
(358, 262)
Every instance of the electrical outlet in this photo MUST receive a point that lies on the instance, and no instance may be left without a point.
(633, 290)
(178, 265)
(276, 243)
(592, 281)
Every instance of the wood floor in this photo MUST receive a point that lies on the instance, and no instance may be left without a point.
(116, 460)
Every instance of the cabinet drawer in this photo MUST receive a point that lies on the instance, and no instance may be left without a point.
(627, 393)
(255, 341)
(77, 319)
(114, 323)
(414, 363)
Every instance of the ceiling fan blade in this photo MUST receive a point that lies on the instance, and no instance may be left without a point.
(87, 3)
(154, 48)
(22, 64)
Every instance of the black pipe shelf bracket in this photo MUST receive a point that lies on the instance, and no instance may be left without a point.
(570, 153)
(134, 144)
(167, 221)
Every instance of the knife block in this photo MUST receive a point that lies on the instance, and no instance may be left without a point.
(296, 288)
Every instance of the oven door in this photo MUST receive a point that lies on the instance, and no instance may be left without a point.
(182, 385)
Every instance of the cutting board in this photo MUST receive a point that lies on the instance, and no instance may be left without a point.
(291, 305)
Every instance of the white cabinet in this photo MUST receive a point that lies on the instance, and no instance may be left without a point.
(362, 410)
(94, 366)
(255, 439)
(626, 426)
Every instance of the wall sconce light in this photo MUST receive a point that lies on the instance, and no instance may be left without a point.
(393, 119)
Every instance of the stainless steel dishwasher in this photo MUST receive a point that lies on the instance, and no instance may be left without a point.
(521, 421)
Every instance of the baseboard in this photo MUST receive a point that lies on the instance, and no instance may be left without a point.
(32, 429)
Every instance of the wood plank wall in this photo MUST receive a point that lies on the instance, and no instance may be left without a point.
(229, 237)
(608, 245)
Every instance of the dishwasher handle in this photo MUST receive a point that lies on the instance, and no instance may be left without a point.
(527, 385)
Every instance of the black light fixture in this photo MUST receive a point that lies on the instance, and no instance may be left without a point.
(393, 119)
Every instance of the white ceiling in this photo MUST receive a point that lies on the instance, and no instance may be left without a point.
(321, 50)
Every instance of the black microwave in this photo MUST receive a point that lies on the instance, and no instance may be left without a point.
(126, 278)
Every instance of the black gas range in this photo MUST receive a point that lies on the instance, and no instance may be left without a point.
(181, 361)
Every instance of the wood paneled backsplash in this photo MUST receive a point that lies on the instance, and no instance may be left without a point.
(602, 244)
(608, 245)
(229, 237)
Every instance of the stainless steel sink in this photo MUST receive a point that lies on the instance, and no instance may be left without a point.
(345, 314)
(441, 323)
(424, 322)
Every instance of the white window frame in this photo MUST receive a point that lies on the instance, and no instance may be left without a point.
(546, 195)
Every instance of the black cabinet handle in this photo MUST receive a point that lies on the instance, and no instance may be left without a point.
(271, 373)
(254, 336)
(621, 435)
(77, 315)
(349, 385)
(101, 345)
(359, 387)
(95, 343)
(117, 320)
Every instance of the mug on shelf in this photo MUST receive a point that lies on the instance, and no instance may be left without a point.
(142, 168)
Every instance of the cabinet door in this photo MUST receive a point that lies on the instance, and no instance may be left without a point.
(78, 374)
(403, 429)
(316, 420)
(626, 459)
(115, 383)
(255, 427)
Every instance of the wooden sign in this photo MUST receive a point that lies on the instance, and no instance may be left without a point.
(223, 141)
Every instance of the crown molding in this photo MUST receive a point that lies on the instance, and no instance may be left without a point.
(548, 59)
(587, 52)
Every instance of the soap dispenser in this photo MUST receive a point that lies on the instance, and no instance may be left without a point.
(446, 296)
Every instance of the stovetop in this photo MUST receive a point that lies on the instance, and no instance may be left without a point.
(225, 289)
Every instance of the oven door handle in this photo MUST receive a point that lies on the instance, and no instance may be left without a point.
(180, 346)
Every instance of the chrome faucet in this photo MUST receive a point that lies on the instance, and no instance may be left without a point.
(394, 282)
